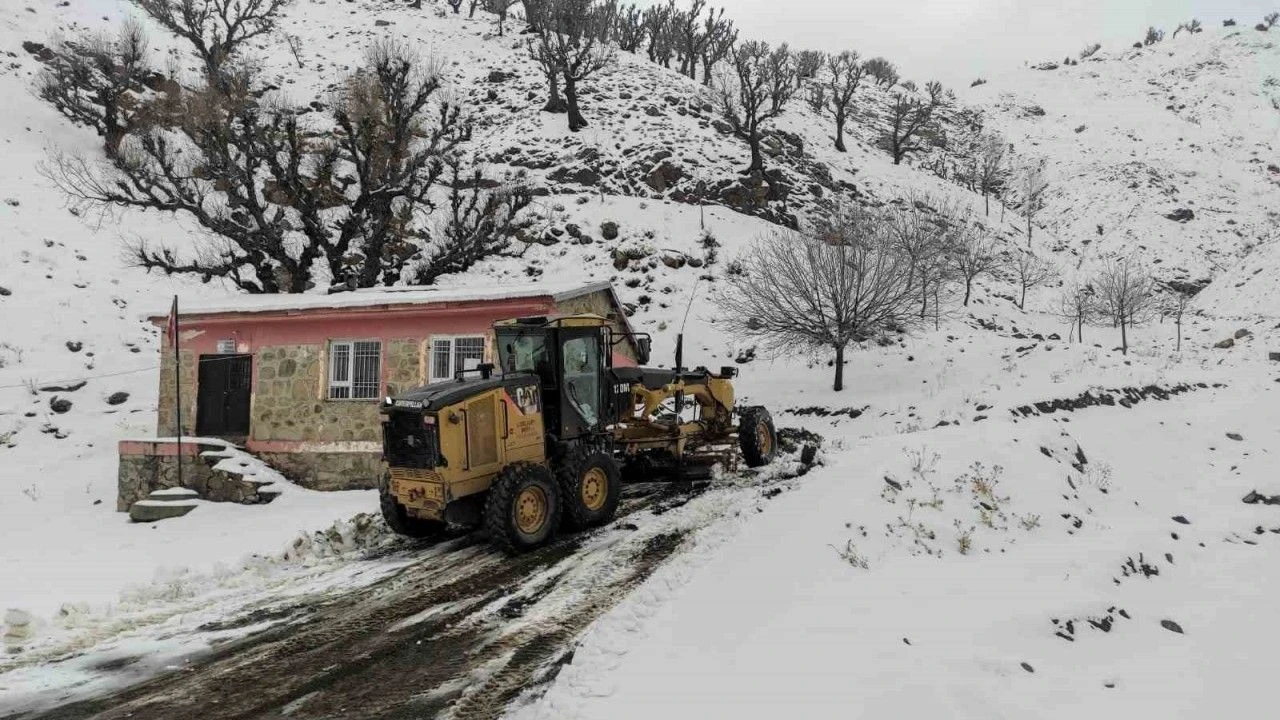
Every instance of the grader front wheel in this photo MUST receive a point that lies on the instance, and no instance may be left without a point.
(757, 436)
(523, 507)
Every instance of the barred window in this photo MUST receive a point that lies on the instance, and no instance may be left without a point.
(449, 355)
(355, 369)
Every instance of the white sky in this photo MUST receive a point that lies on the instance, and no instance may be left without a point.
(956, 41)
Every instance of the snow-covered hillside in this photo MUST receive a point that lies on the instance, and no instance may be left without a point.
(937, 582)
(1171, 150)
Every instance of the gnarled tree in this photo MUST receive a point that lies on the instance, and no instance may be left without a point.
(274, 196)
(568, 46)
(912, 121)
(102, 82)
(883, 71)
(215, 29)
(754, 91)
(846, 72)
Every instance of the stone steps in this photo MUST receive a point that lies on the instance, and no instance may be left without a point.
(164, 504)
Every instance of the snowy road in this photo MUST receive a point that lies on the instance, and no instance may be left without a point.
(458, 632)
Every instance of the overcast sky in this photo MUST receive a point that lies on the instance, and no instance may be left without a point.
(958, 40)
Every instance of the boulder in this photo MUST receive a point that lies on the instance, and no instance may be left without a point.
(1182, 215)
(1242, 334)
(1225, 344)
(1274, 356)
(580, 176)
(117, 398)
(609, 230)
(59, 405)
(155, 510)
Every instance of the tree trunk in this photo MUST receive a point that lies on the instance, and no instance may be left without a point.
(1179, 346)
(986, 198)
(757, 157)
(555, 103)
(968, 288)
(576, 121)
(1022, 303)
(1028, 231)
(1124, 338)
(840, 134)
(839, 383)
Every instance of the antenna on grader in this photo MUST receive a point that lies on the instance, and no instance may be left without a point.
(685, 321)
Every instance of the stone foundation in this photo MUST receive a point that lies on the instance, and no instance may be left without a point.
(146, 466)
(328, 470)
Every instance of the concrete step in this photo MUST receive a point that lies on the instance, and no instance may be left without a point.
(174, 494)
(154, 510)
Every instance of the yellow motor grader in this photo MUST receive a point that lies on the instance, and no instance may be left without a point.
(547, 437)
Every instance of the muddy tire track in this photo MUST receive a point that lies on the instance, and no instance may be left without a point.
(422, 643)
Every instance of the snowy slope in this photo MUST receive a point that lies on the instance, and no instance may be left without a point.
(1132, 136)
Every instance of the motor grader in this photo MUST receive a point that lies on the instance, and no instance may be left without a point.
(545, 438)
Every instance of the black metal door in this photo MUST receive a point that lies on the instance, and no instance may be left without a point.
(222, 404)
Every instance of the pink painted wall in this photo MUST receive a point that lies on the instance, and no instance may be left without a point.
(252, 332)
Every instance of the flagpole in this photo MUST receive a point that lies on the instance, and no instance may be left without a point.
(177, 381)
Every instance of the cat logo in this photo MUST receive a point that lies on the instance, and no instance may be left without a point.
(527, 399)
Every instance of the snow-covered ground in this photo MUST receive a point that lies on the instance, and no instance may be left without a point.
(851, 597)
(848, 595)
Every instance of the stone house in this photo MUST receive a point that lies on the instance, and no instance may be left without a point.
(297, 379)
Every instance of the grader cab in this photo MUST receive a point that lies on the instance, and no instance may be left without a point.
(546, 437)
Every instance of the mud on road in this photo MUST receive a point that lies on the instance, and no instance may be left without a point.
(457, 635)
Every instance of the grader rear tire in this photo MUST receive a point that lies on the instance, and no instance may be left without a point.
(590, 486)
(523, 507)
(757, 437)
(398, 518)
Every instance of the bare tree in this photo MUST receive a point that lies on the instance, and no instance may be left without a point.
(1153, 36)
(972, 253)
(500, 8)
(721, 36)
(1077, 305)
(274, 196)
(101, 82)
(823, 292)
(1271, 19)
(808, 63)
(216, 29)
(1034, 186)
(1176, 307)
(883, 71)
(912, 121)
(992, 167)
(568, 45)
(659, 26)
(1126, 294)
(754, 92)
(846, 72)
(1031, 271)
(479, 223)
(629, 28)
(689, 36)
(1090, 51)
(921, 229)
(455, 4)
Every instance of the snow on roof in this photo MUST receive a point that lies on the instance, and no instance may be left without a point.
(380, 296)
